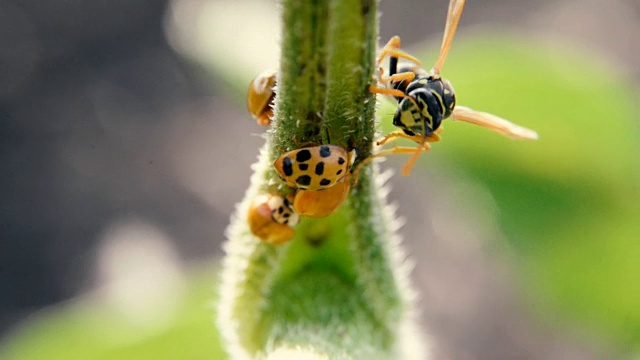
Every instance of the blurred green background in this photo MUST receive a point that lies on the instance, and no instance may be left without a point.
(527, 250)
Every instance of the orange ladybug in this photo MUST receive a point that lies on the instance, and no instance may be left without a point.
(321, 203)
(260, 97)
(271, 219)
(314, 168)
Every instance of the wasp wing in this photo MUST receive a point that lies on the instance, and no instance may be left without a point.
(453, 17)
(493, 122)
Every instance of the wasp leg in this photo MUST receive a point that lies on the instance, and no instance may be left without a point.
(392, 92)
(391, 49)
(408, 76)
(393, 43)
(402, 55)
(433, 137)
(395, 150)
(422, 147)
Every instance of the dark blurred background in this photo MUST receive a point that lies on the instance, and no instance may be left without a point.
(113, 127)
(86, 89)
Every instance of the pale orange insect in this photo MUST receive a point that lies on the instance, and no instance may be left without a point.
(321, 203)
(271, 219)
(261, 96)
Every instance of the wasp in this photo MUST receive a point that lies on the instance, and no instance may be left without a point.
(425, 99)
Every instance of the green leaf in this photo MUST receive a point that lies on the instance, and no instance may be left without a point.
(88, 329)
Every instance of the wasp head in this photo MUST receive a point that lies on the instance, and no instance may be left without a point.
(407, 117)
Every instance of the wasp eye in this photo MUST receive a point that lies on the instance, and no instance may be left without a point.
(449, 98)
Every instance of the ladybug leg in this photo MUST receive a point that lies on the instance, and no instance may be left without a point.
(301, 144)
(265, 119)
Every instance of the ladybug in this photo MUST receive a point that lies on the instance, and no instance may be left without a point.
(321, 203)
(261, 96)
(271, 219)
(314, 168)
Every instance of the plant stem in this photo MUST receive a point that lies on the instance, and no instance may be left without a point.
(340, 289)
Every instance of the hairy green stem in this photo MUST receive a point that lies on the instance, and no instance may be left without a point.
(340, 289)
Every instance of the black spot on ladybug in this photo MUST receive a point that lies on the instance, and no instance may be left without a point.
(303, 180)
(303, 155)
(286, 222)
(303, 167)
(286, 166)
(320, 168)
(325, 182)
(286, 215)
(280, 210)
(339, 172)
(341, 160)
(325, 151)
